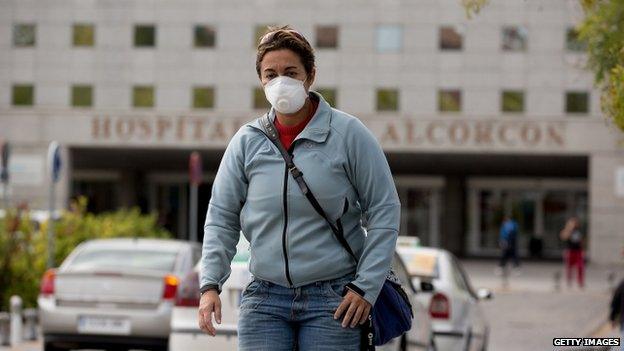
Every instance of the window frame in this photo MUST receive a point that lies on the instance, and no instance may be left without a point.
(393, 91)
(33, 26)
(136, 89)
(440, 36)
(154, 41)
(569, 93)
(512, 91)
(75, 27)
(74, 92)
(335, 33)
(519, 30)
(32, 95)
(460, 104)
(212, 96)
(199, 26)
(401, 38)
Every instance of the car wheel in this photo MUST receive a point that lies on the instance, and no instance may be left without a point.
(486, 338)
(161, 348)
(432, 345)
(403, 343)
(48, 346)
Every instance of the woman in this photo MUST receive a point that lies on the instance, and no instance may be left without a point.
(573, 254)
(306, 289)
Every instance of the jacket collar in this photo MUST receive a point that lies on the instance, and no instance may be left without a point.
(318, 127)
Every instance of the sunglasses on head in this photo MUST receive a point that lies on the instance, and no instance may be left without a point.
(270, 35)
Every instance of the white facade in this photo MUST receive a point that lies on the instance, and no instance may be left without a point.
(417, 131)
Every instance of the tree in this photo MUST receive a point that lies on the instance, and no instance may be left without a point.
(603, 31)
(24, 242)
(473, 6)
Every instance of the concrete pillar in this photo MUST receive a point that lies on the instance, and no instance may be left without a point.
(453, 231)
(606, 209)
(127, 189)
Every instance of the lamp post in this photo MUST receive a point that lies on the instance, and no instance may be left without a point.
(5, 153)
(195, 174)
(54, 170)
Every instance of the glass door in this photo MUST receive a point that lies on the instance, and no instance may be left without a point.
(420, 208)
(540, 207)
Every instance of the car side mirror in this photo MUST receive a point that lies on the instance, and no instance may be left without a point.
(484, 294)
(426, 286)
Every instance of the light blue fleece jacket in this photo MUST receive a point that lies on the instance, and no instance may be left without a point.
(290, 244)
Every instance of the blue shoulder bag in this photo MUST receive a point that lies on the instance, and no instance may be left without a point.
(392, 314)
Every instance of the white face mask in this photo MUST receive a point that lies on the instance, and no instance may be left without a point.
(287, 95)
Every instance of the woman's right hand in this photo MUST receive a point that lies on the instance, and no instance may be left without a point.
(209, 303)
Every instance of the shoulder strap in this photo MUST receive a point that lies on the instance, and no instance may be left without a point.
(271, 133)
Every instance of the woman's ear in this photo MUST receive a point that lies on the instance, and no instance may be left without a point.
(310, 79)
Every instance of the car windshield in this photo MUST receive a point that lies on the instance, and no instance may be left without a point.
(420, 264)
(106, 258)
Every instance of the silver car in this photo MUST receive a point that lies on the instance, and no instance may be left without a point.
(114, 293)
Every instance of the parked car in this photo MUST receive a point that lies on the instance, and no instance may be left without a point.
(114, 293)
(454, 306)
(186, 335)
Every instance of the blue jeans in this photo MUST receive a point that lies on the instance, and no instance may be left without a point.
(274, 318)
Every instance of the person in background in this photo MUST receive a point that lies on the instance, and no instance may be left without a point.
(507, 241)
(617, 311)
(573, 255)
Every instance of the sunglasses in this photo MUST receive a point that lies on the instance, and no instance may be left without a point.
(270, 36)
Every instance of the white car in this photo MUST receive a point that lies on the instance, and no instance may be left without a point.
(186, 335)
(114, 294)
(457, 318)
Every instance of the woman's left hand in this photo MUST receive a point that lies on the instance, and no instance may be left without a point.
(356, 308)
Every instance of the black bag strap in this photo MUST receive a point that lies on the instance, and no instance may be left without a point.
(271, 133)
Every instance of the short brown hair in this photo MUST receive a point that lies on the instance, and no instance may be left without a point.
(278, 38)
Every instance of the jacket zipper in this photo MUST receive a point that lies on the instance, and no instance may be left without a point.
(285, 194)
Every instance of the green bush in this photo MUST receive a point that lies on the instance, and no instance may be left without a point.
(24, 243)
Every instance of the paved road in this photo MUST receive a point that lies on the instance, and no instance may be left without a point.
(530, 312)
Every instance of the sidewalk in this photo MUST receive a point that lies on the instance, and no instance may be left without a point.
(529, 312)
(25, 346)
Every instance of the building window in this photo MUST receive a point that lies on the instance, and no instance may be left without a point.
(327, 37)
(389, 38)
(203, 97)
(450, 38)
(143, 96)
(144, 36)
(205, 36)
(82, 96)
(84, 35)
(449, 100)
(329, 94)
(577, 102)
(387, 100)
(512, 101)
(515, 38)
(23, 95)
(24, 35)
(573, 43)
(260, 102)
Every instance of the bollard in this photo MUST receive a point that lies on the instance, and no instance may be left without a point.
(5, 320)
(16, 320)
(30, 324)
(557, 278)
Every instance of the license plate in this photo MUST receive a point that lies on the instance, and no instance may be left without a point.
(103, 325)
